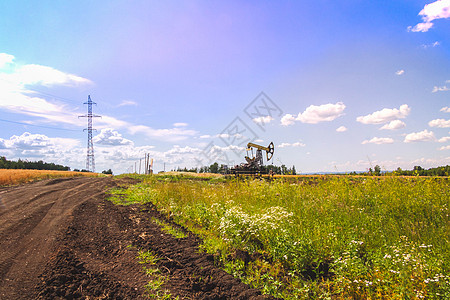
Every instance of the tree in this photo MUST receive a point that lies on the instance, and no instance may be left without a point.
(107, 172)
(377, 170)
(214, 168)
(294, 172)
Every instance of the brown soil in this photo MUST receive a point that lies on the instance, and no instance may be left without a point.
(61, 239)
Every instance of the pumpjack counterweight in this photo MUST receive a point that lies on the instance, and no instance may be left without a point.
(90, 160)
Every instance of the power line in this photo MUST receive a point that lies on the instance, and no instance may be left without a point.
(41, 126)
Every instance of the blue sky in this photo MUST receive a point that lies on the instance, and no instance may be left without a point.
(349, 84)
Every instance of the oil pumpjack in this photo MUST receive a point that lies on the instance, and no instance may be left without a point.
(254, 165)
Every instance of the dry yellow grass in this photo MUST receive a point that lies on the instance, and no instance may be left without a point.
(13, 176)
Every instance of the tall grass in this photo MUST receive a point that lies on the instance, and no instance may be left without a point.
(342, 237)
(17, 176)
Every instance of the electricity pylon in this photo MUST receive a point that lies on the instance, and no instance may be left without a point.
(90, 161)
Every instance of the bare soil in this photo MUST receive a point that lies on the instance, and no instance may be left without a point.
(61, 239)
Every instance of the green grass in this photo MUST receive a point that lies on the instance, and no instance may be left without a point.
(345, 237)
(167, 228)
(155, 285)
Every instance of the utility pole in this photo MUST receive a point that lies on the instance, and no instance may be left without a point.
(90, 161)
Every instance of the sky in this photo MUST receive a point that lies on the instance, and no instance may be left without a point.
(337, 86)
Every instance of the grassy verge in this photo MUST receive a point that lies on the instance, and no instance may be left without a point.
(155, 285)
(326, 237)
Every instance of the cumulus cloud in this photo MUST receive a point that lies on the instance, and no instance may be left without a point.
(433, 11)
(422, 136)
(341, 129)
(39, 146)
(110, 137)
(393, 125)
(297, 144)
(445, 109)
(314, 114)
(385, 115)
(444, 139)
(441, 123)
(180, 124)
(400, 72)
(378, 141)
(287, 120)
(263, 120)
(444, 148)
(322, 113)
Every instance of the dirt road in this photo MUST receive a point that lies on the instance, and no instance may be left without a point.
(62, 239)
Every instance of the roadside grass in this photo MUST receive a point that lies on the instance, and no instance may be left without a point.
(18, 176)
(155, 285)
(169, 229)
(316, 238)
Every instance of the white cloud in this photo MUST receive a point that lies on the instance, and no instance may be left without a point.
(422, 136)
(432, 45)
(297, 144)
(180, 124)
(16, 97)
(440, 89)
(444, 148)
(5, 59)
(39, 146)
(171, 134)
(315, 114)
(322, 113)
(393, 125)
(110, 137)
(127, 103)
(287, 120)
(400, 72)
(444, 139)
(263, 120)
(433, 11)
(378, 141)
(341, 129)
(445, 109)
(385, 115)
(29, 141)
(441, 123)
(421, 27)
(46, 76)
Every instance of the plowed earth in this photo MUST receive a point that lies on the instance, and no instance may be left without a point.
(61, 239)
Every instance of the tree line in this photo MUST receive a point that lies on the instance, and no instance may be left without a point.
(30, 165)
(216, 168)
(283, 170)
(416, 171)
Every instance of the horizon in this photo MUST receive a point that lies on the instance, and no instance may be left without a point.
(338, 87)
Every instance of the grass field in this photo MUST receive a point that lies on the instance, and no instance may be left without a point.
(317, 237)
(17, 176)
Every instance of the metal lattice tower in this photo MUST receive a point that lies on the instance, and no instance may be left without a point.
(90, 161)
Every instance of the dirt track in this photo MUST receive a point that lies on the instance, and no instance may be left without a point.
(60, 238)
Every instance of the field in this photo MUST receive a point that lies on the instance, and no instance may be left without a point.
(13, 176)
(318, 237)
